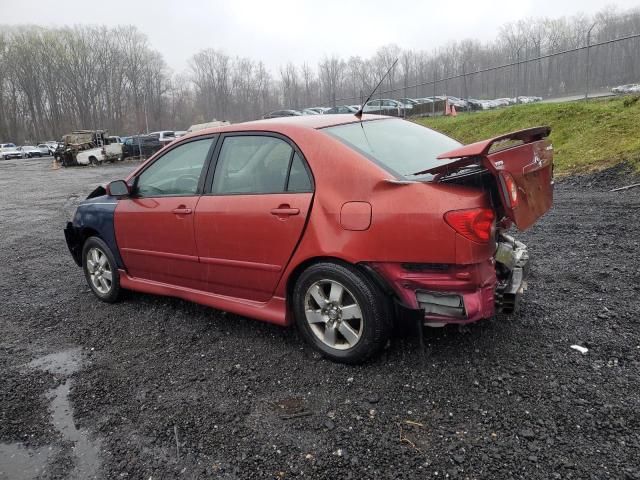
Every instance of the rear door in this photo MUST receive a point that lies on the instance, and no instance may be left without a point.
(253, 214)
(154, 228)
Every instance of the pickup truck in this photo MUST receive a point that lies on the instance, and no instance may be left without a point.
(89, 147)
(94, 156)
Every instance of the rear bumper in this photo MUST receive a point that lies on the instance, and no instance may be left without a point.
(460, 294)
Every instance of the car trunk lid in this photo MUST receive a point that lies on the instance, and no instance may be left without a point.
(523, 169)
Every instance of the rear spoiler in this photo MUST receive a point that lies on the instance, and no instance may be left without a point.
(482, 148)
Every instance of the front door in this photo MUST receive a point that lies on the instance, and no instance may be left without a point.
(252, 216)
(154, 228)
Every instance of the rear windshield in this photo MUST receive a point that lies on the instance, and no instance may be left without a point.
(401, 147)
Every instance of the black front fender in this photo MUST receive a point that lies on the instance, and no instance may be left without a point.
(74, 242)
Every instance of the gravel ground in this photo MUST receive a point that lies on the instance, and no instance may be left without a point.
(160, 388)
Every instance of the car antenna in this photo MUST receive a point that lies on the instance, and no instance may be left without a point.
(359, 112)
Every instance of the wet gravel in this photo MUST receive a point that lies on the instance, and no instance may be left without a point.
(169, 389)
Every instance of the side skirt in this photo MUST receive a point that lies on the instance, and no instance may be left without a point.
(273, 311)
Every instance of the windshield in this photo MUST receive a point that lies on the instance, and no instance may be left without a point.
(401, 147)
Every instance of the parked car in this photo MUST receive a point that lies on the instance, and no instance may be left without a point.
(385, 107)
(180, 133)
(340, 225)
(319, 110)
(626, 89)
(341, 109)
(211, 124)
(29, 151)
(282, 113)
(141, 145)
(164, 136)
(9, 151)
(46, 149)
(459, 103)
(309, 111)
(408, 101)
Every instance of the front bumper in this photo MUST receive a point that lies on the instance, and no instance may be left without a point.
(460, 294)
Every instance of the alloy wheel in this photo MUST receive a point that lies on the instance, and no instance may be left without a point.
(99, 269)
(333, 314)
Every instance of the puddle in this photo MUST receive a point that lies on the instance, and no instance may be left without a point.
(85, 451)
(63, 363)
(20, 463)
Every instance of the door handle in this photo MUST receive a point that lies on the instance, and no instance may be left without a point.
(182, 210)
(285, 211)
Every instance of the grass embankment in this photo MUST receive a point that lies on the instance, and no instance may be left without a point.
(586, 136)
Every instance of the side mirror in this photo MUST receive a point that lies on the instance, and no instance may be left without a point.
(118, 189)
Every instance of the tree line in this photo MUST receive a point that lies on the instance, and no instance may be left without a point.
(54, 80)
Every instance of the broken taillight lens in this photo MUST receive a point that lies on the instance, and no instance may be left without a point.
(475, 223)
(509, 189)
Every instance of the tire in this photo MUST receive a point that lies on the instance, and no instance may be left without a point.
(347, 325)
(95, 255)
(93, 161)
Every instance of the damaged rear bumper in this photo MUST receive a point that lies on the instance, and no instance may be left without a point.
(443, 293)
(512, 267)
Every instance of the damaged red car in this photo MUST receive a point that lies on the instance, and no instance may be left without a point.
(337, 224)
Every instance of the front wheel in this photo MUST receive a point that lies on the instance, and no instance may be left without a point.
(100, 270)
(341, 312)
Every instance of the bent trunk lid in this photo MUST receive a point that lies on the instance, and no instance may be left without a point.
(526, 167)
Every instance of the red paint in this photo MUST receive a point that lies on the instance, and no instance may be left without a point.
(525, 169)
(355, 216)
(238, 252)
(157, 243)
(475, 283)
(245, 245)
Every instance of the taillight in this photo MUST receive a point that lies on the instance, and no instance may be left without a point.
(509, 189)
(475, 223)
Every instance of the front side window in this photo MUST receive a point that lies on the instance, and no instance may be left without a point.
(403, 148)
(253, 164)
(177, 172)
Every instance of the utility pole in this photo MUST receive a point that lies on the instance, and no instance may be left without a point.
(433, 104)
(586, 91)
(146, 120)
(517, 73)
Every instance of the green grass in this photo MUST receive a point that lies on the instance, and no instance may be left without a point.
(586, 136)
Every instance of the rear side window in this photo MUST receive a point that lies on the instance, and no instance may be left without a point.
(400, 147)
(299, 180)
(254, 164)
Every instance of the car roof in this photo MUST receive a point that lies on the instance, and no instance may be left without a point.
(310, 122)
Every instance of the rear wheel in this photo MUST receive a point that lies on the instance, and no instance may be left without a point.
(100, 270)
(93, 161)
(341, 312)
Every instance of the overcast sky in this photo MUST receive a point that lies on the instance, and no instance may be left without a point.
(276, 31)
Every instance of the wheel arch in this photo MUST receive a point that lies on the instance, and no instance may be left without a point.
(362, 267)
(93, 219)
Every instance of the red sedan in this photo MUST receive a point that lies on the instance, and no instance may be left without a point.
(339, 225)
